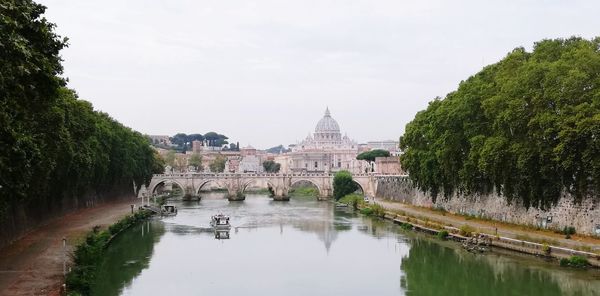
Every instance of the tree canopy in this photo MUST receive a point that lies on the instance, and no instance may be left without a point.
(271, 166)
(343, 184)
(371, 155)
(184, 141)
(53, 145)
(527, 127)
(218, 164)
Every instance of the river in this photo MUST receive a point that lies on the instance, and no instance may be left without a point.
(307, 247)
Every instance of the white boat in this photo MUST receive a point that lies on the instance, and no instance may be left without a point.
(219, 222)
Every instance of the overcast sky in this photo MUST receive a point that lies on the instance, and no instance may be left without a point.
(262, 72)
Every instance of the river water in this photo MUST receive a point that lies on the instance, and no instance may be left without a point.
(307, 247)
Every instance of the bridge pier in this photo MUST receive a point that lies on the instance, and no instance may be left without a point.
(238, 195)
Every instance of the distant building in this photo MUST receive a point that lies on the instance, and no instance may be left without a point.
(389, 145)
(160, 140)
(250, 164)
(324, 151)
(197, 146)
(248, 150)
(388, 165)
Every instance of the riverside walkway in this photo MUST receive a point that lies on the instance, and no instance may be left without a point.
(514, 231)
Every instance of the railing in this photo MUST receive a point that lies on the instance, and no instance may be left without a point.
(226, 175)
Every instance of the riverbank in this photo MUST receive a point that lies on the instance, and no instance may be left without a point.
(503, 235)
(33, 265)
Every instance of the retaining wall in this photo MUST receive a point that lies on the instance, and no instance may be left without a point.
(22, 218)
(584, 216)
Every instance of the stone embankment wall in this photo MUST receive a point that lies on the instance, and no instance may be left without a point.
(584, 216)
(23, 218)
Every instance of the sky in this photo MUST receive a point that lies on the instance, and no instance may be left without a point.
(263, 72)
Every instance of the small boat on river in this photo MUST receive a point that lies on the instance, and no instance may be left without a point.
(220, 222)
(168, 210)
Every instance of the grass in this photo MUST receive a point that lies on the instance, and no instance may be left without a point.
(304, 191)
(258, 191)
(88, 254)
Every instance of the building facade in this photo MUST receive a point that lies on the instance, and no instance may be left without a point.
(326, 150)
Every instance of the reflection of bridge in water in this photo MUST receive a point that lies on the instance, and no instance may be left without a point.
(236, 184)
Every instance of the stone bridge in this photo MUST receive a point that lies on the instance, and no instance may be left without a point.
(236, 184)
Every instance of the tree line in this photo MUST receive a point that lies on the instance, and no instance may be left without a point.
(52, 144)
(184, 141)
(527, 127)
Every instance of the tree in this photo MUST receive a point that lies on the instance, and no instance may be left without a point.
(54, 146)
(370, 156)
(271, 166)
(159, 164)
(218, 164)
(170, 158)
(343, 184)
(196, 162)
(527, 127)
(278, 150)
(216, 140)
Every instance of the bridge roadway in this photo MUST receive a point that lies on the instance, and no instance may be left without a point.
(237, 183)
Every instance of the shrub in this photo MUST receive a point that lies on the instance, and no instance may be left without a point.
(367, 211)
(378, 210)
(466, 230)
(546, 249)
(575, 261)
(442, 234)
(406, 226)
(353, 200)
(568, 231)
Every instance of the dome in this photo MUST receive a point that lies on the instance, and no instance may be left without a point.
(327, 124)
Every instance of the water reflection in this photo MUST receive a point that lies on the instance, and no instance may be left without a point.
(306, 247)
(430, 268)
(221, 234)
(126, 257)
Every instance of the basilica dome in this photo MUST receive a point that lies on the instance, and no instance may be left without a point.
(327, 124)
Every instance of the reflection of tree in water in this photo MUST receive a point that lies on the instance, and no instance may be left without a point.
(431, 268)
(126, 257)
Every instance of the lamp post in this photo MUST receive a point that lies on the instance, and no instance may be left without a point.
(64, 240)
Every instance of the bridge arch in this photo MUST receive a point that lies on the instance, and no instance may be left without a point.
(204, 182)
(360, 186)
(163, 181)
(267, 183)
(295, 181)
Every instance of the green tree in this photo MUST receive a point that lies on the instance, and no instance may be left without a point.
(196, 162)
(170, 158)
(370, 156)
(343, 184)
(527, 127)
(216, 140)
(218, 164)
(159, 164)
(271, 166)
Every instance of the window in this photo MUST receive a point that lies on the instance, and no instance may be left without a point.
(316, 164)
(339, 164)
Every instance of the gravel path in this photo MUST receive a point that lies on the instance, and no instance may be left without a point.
(33, 265)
